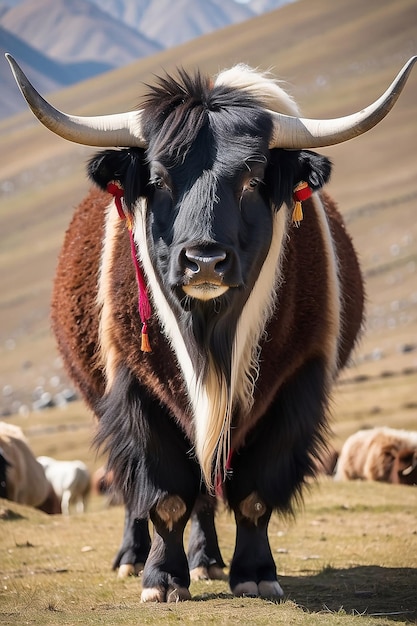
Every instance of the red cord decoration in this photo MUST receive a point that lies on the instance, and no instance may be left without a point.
(144, 306)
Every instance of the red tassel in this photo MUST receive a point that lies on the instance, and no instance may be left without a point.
(118, 193)
(220, 478)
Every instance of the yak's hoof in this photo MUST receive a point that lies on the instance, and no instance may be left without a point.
(216, 572)
(265, 589)
(213, 572)
(247, 588)
(128, 569)
(160, 594)
(270, 589)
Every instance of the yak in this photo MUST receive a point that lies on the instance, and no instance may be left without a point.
(380, 453)
(207, 295)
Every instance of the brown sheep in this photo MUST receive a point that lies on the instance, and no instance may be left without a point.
(381, 454)
(26, 482)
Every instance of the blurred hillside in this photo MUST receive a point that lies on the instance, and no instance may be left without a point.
(60, 43)
(336, 58)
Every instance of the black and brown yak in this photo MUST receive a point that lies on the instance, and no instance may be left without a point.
(218, 379)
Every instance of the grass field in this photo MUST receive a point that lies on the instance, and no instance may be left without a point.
(350, 557)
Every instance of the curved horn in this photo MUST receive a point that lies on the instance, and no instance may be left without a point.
(297, 132)
(408, 470)
(122, 129)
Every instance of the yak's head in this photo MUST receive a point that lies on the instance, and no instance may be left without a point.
(203, 198)
(404, 467)
(208, 176)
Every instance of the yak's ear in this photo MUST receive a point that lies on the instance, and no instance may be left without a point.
(287, 168)
(126, 166)
(313, 168)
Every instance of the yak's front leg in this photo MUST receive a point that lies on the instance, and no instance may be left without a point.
(166, 576)
(269, 473)
(150, 458)
(253, 570)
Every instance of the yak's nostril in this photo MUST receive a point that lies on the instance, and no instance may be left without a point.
(205, 262)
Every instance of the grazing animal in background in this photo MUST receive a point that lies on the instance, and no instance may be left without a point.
(382, 454)
(326, 463)
(102, 484)
(70, 480)
(218, 379)
(404, 467)
(25, 480)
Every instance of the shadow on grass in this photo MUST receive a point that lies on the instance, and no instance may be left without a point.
(374, 590)
(371, 590)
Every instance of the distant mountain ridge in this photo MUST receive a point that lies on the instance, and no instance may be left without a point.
(59, 43)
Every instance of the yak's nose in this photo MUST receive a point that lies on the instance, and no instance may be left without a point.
(208, 265)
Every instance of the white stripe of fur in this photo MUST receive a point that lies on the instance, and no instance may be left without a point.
(209, 397)
(256, 312)
(261, 85)
(107, 348)
(161, 306)
(334, 307)
(245, 356)
(211, 401)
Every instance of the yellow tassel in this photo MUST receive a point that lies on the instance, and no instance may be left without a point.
(129, 222)
(301, 192)
(145, 345)
(297, 214)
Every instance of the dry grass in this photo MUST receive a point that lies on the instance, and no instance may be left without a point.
(350, 553)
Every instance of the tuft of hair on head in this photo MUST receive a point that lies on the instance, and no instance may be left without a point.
(260, 85)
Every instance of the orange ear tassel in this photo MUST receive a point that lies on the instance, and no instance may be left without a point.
(301, 192)
(145, 346)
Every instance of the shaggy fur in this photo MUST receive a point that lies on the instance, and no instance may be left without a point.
(234, 393)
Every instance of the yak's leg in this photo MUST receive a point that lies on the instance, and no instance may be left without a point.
(65, 502)
(253, 570)
(134, 550)
(149, 456)
(269, 471)
(204, 557)
(166, 576)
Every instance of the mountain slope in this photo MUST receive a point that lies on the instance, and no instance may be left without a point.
(63, 43)
(66, 42)
(172, 24)
(76, 31)
(336, 57)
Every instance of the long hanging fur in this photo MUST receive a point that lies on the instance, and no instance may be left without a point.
(216, 395)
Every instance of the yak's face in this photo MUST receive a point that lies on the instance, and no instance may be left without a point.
(204, 197)
(210, 220)
(209, 212)
(204, 215)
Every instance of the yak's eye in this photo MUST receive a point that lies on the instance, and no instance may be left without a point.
(158, 182)
(252, 184)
